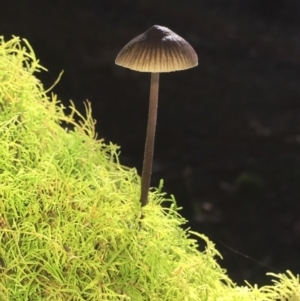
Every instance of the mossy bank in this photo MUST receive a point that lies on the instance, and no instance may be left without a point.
(70, 216)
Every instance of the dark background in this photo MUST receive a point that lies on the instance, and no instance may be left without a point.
(228, 131)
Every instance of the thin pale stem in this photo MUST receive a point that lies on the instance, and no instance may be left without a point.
(149, 145)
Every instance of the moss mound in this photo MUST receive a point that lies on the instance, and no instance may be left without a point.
(70, 226)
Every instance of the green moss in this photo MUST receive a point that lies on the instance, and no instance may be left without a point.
(70, 226)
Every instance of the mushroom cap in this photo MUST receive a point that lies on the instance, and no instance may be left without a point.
(157, 50)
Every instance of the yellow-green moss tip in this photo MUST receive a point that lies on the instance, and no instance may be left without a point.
(70, 226)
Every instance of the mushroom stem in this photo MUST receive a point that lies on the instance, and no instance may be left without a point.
(149, 145)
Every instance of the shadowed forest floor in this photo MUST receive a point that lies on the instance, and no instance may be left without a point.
(228, 131)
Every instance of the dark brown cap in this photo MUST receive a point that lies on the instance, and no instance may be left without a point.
(157, 50)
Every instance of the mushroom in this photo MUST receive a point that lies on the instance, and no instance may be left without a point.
(157, 50)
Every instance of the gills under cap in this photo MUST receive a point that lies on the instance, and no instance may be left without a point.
(157, 50)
